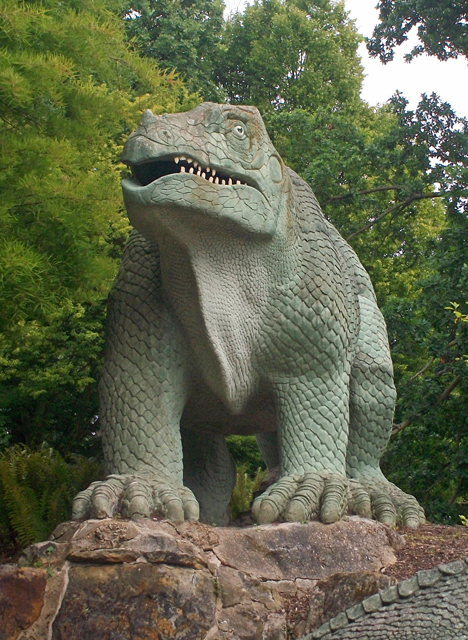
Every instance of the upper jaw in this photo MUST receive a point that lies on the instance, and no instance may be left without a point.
(147, 172)
(149, 163)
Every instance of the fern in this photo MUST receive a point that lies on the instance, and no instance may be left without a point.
(36, 491)
(21, 507)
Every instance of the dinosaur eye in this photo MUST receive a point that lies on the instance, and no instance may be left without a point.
(239, 131)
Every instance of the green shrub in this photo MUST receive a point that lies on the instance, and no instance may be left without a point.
(245, 451)
(36, 491)
(246, 486)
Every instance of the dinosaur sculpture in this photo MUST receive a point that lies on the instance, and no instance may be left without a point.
(432, 605)
(239, 308)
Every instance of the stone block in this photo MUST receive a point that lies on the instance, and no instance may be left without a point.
(22, 592)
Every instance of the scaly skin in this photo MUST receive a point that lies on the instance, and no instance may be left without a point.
(432, 605)
(239, 309)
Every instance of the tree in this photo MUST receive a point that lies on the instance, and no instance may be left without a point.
(70, 92)
(289, 54)
(442, 27)
(182, 35)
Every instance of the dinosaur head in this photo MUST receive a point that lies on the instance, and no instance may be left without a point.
(216, 160)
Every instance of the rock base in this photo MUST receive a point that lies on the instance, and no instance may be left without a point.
(152, 580)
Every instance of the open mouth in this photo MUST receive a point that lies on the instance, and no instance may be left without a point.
(148, 172)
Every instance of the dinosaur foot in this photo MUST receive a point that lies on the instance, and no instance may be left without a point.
(328, 497)
(390, 505)
(136, 496)
(323, 496)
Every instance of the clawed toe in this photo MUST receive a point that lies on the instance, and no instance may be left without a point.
(133, 497)
(302, 498)
(327, 497)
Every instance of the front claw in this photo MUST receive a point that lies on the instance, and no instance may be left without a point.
(393, 507)
(299, 498)
(390, 505)
(134, 496)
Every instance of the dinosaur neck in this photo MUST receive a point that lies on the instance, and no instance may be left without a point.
(218, 287)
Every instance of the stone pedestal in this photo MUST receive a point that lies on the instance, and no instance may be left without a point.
(152, 580)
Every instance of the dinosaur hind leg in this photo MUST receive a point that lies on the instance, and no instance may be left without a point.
(210, 472)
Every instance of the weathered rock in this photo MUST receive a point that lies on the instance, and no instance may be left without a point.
(290, 551)
(21, 599)
(352, 588)
(137, 601)
(117, 579)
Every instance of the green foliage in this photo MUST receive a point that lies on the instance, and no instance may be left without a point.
(364, 178)
(245, 452)
(290, 54)
(432, 412)
(70, 92)
(441, 26)
(48, 373)
(184, 35)
(36, 491)
(244, 489)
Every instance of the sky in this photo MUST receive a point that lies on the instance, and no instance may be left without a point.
(425, 74)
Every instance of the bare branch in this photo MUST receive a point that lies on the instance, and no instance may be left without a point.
(443, 396)
(352, 194)
(398, 205)
(423, 370)
(399, 427)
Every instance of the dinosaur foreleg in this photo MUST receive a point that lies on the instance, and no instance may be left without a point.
(143, 391)
(312, 438)
(372, 402)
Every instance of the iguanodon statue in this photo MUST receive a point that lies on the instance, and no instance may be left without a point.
(238, 308)
(432, 605)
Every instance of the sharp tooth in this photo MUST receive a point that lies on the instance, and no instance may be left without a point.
(230, 181)
(190, 170)
(176, 160)
(210, 179)
(238, 182)
(203, 175)
(207, 169)
(213, 171)
(183, 158)
(182, 169)
(223, 181)
(189, 160)
(216, 180)
(195, 163)
(199, 171)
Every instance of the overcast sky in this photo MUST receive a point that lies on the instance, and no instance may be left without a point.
(424, 75)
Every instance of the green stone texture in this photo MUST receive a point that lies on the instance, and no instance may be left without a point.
(436, 610)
